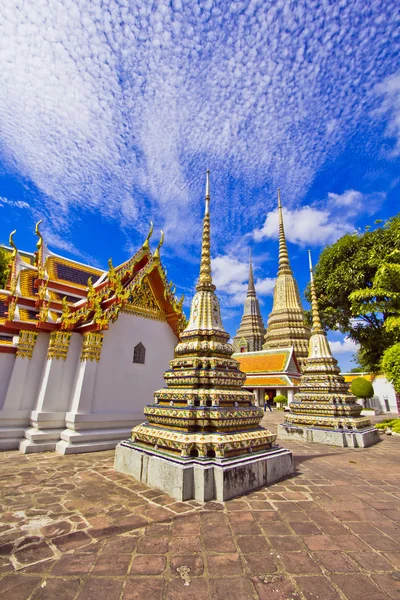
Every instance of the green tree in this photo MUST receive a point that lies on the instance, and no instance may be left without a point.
(348, 266)
(362, 388)
(3, 268)
(391, 365)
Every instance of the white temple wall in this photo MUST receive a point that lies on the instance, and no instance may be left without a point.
(109, 396)
(6, 368)
(21, 394)
(47, 420)
(384, 395)
(129, 385)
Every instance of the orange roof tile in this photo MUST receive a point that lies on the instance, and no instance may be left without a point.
(267, 381)
(263, 363)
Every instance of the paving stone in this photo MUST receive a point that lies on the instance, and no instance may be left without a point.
(299, 563)
(151, 545)
(196, 590)
(74, 564)
(286, 542)
(71, 541)
(388, 584)
(187, 544)
(140, 589)
(319, 542)
(195, 564)
(336, 562)
(277, 587)
(18, 587)
(231, 589)
(253, 543)
(257, 564)
(116, 564)
(224, 564)
(101, 588)
(317, 588)
(143, 565)
(371, 561)
(59, 589)
(358, 587)
(219, 544)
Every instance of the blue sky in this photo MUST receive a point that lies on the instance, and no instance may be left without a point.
(111, 111)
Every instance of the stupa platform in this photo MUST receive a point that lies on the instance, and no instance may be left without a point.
(203, 479)
(344, 438)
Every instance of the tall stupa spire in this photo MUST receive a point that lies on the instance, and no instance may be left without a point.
(250, 335)
(324, 410)
(317, 326)
(205, 279)
(286, 324)
(251, 289)
(283, 261)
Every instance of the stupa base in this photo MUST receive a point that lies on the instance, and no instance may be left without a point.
(330, 437)
(203, 479)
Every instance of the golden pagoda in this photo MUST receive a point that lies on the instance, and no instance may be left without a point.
(202, 436)
(324, 410)
(286, 325)
(250, 335)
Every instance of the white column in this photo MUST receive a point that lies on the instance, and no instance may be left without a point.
(22, 389)
(48, 418)
(83, 392)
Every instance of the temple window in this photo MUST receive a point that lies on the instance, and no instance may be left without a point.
(139, 354)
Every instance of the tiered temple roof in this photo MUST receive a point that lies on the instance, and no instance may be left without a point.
(47, 292)
(286, 323)
(270, 368)
(203, 411)
(250, 335)
(323, 400)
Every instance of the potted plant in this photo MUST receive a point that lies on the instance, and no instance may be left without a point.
(280, 401)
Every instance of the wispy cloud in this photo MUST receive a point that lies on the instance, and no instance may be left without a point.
(389, 92)
(114, 106)
(323, 222)
(14, 203)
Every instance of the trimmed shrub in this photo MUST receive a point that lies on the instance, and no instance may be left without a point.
(281, 399)
(391, 365)
(393, 424)
(361, 388)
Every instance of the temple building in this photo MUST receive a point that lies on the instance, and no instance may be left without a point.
(324, 410)
(270, 373)
(250, 335)
(81, 348)
(286, 323)
(202, 437)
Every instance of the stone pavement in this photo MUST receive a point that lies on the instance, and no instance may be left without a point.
(71, 528)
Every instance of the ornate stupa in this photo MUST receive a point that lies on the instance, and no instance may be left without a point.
(324, 410)
(250, 335)
(202, 436)
(286, 325)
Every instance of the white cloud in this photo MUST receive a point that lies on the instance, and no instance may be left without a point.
(323, 222)
(14, 203)
(389, 90)
(346, 345)
(230, 275)
(116, 106)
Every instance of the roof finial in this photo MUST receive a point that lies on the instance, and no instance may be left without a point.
(317, 326)
(207, 192)
(38, 233)
(146, 242)
(160, 243)
(283, 253)
(205, 279)
(12, 244)
(251, 287)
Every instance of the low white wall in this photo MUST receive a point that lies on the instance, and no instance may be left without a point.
(122, 385)
(6, 367)
(384, 395)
